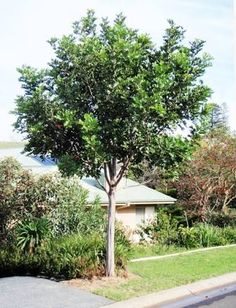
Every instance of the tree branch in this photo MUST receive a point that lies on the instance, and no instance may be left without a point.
(106, 174)
(100, 184)
(122, 170)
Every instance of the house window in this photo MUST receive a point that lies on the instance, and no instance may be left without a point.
(140, 215)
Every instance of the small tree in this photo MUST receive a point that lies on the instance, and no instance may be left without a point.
(209, 183)
(217, 117)
(108, 98)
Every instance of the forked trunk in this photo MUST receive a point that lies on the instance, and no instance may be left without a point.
(110, 257)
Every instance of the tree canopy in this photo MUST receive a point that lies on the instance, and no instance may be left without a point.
(217, 117)
(110, 93)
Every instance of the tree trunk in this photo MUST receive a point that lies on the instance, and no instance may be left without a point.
(110, 257)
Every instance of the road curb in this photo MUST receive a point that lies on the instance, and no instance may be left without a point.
(177, 293)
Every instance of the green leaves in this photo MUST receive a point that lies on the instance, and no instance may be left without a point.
(31, 233)
(89, 124)
(67, 117)
(109, 92)
(91, 129)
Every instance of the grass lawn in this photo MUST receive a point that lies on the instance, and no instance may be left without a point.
(153, 276)
(140, 251)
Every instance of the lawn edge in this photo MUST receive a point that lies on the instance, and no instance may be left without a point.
(180, 253)
(176, 293)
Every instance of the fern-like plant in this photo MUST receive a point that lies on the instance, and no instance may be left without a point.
(31, 234)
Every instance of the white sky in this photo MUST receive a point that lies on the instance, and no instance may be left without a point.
(26, 26)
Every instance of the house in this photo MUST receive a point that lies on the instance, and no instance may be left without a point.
(135, 202)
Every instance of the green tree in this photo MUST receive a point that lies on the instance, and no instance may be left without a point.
(165, 165)
(107, 99)
(217, 117)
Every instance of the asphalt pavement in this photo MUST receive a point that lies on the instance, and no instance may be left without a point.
(32, 292)
(217, 298)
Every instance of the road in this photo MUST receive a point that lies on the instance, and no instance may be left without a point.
(31, 292)
(218, 298)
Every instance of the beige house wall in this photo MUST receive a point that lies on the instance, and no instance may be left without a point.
(149, 212)
(127, 215)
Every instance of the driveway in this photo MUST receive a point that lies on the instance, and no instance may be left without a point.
(28, 292)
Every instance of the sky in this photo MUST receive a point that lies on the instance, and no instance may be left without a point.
(26, 26)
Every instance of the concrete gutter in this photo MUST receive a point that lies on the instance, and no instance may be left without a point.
(181, 253)
(163, 297)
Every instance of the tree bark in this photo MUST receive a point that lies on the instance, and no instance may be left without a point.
(110, 256)
(112, 178)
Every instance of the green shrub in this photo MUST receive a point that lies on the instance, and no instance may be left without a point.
(72, 256)
(176, 211)
(162, 230)
(209, 235)
(229, 234)
(221, 219)
(14, 262)
(202, 235)
(62, 200)
(52, 210)
(74, 215)
(123, 247)
(147, 231)
(51, 192)
(10, 262)
(31, 233)
(66, 257)
(165, 231)
(188, 237)
(14, 194)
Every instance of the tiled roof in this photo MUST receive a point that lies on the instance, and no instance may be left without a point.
(128, 192)
(34, 163)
